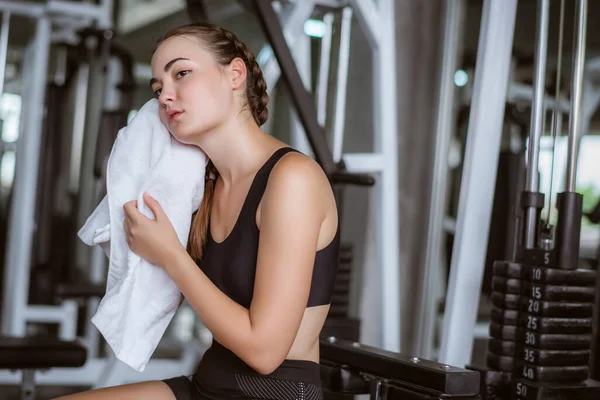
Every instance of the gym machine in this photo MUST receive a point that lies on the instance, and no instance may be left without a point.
(543, 342)
(45, 291)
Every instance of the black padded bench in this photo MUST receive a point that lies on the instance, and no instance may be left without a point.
(349, 368)
(38, 353)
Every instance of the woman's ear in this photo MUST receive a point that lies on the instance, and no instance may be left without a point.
(238, 73)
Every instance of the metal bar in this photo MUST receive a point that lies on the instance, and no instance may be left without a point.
(324, 65)
(27, 9)
(28, 384)
(302, 56)
(21, 220)
(95, 106)
(556, 125)
(4, 32)
(293, 21)
(102, 13)
(576, 95)
(478, 179)
(537, 117)
(385, 210)
(395, 366)
(368, 16)
(106, 14)
(522, 93)
(81, 94)
(300, 97)
(426, 307)
(366, 163)
(339, 114)
(78, 9)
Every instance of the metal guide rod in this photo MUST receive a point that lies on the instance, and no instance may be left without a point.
(537, 116)
(339, 114)
(452, 11)
(76, 9)
(324, 65)
(579, 42)
(557, 114)
(4, 31)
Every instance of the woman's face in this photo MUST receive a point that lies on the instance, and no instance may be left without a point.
(194, 94)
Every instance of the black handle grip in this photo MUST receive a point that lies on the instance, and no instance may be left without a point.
(352, 179)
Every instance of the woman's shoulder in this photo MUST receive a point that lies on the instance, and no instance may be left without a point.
(298, 178)
(298, 168)
(299, 196)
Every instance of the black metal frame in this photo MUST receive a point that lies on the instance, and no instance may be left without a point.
(358, 368)
(302, 99)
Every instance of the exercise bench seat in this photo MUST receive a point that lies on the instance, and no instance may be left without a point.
(38, 353)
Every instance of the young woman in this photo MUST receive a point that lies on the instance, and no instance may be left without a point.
(262, 258)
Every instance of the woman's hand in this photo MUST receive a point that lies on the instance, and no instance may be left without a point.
(155, 240)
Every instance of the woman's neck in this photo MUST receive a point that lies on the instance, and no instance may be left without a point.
(236, 149)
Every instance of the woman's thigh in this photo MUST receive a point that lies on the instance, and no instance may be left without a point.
(151, 390)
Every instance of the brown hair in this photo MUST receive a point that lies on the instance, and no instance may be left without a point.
(225, 47)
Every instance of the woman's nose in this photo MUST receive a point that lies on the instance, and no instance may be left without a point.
(167, 95)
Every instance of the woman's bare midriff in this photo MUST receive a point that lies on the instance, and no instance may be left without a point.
(306, 344)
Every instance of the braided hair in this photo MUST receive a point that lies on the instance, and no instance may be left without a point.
(225, 47)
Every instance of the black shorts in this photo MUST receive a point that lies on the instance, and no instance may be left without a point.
(221, 375)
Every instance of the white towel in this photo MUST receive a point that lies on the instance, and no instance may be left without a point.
(141, 298)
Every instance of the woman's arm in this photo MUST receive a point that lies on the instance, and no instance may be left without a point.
(290, 221)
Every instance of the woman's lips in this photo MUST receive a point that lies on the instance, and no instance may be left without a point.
(173, 117)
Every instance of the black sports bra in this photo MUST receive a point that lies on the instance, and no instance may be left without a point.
(231, 264)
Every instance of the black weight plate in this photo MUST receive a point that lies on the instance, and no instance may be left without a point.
(547, 341)
(344, 276)
(523, 389)
(504, 347)
(345, 259)
(505, 285)
(507, 269)
(342, 279)
(341, 299)
(556, 309)
(537, 356)
(506, 301)
(500, 363)
(581, 294)
(571, 373)
(542, 308)
(564, 326)
(493, 384)
(551, 276)
(343, 290)
(504, 317)
(542, 324)
(338, 311)
(344, 268)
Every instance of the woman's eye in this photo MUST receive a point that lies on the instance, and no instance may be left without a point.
(180, 74)
(157, 92)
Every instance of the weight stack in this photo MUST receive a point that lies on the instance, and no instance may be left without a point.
(338, 322)
(541, 330)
